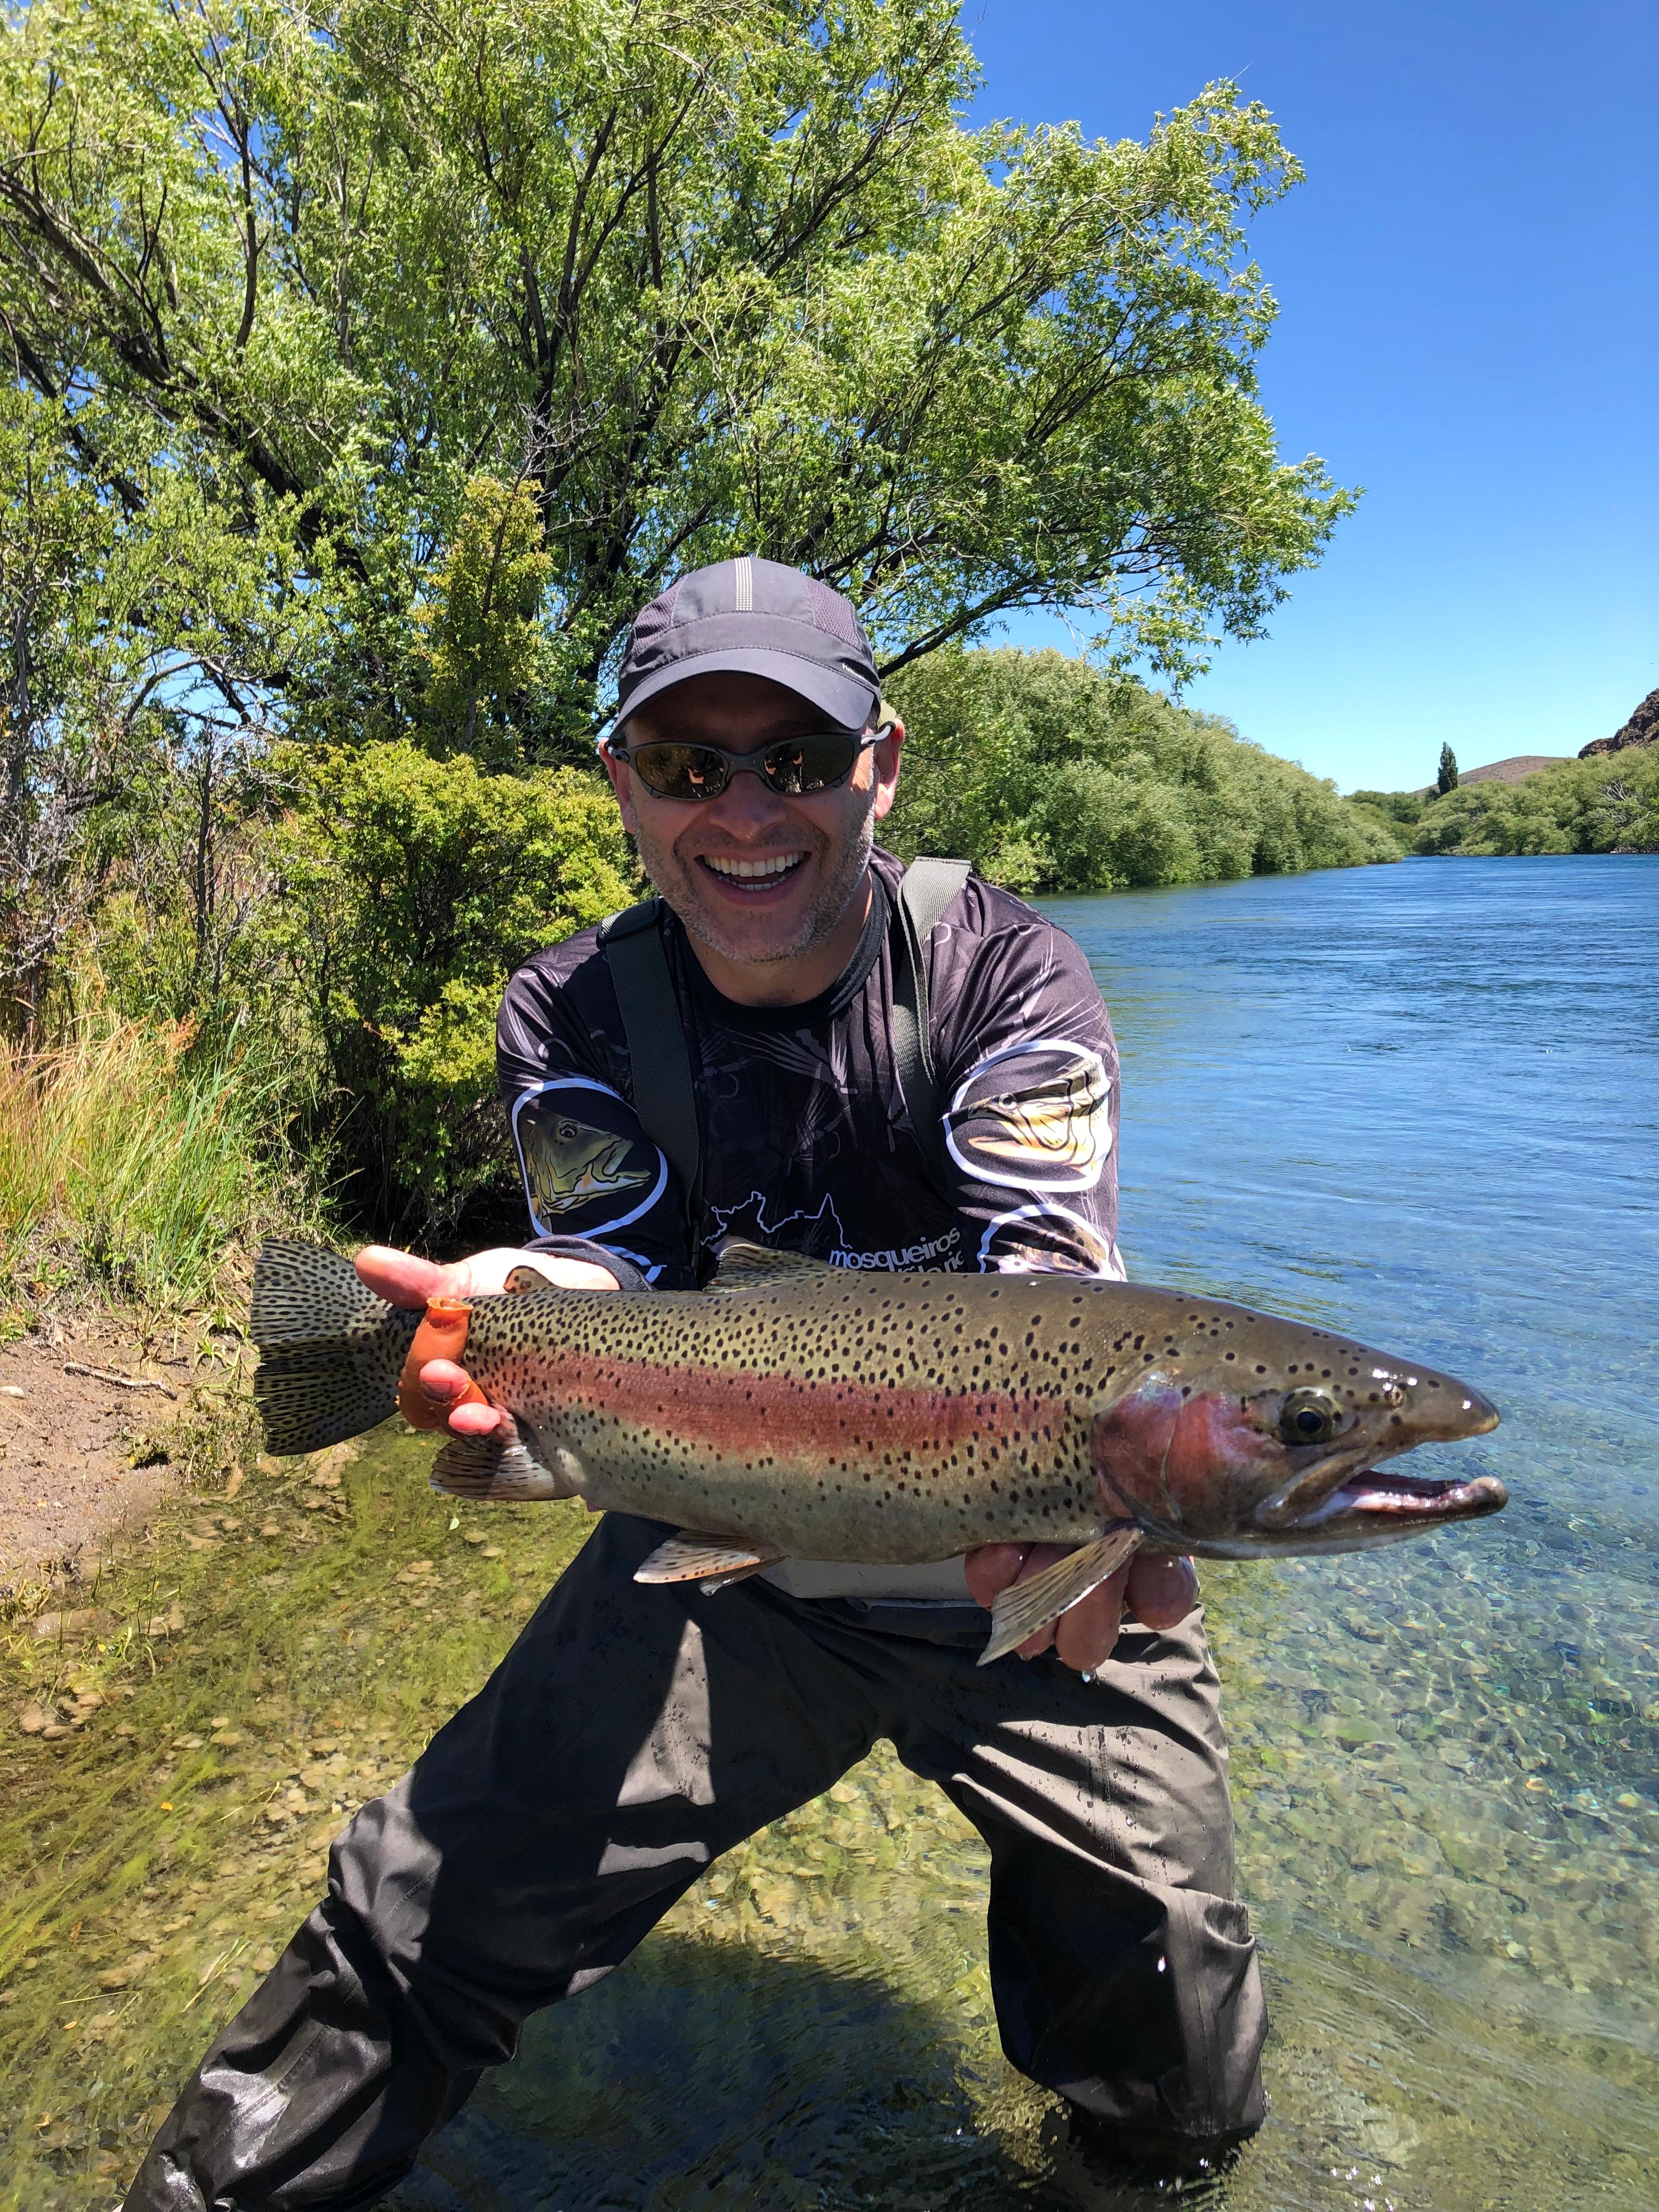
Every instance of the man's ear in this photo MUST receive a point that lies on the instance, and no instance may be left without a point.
(885, 757)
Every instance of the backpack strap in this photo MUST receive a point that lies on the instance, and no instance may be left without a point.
(665, 1098)
(926, 889)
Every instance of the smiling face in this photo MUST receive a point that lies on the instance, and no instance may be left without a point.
(773, 892)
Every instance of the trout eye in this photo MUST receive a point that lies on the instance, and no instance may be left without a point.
(1308, 1417)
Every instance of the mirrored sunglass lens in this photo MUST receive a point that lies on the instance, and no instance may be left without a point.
(680, 771)
(807, 764)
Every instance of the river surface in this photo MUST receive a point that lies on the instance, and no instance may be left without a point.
(1416, 1103)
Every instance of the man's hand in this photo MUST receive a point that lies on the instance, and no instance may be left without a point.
(403, 1280)
(1158, 1587)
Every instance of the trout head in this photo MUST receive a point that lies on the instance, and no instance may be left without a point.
(1246, 1436)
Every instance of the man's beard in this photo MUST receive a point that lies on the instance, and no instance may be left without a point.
(678, 882)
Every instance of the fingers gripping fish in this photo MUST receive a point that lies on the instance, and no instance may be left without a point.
(793, 1410)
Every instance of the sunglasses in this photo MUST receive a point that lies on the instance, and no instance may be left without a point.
(795, 768)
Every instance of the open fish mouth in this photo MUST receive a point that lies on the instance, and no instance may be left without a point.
(1379, 1505)
(1379, 1494)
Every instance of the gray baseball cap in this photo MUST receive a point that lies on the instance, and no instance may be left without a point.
(761, 619)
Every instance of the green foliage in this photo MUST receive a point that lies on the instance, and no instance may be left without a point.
(368, 370)
(132, 645)
(487, 646)
(409, 890)
(1054, 776)
(736, 278)
(1404, 808)
(1447, 779)
(1609, 804)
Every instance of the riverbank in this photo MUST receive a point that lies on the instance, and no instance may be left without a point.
(84, 1408)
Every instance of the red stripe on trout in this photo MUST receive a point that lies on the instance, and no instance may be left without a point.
(758, 1418)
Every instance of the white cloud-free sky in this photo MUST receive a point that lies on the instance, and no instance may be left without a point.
(1469, 329)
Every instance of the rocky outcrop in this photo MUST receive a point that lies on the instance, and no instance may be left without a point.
(1642, 729)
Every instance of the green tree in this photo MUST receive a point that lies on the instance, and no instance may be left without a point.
(487, 646)
(1447, 779)
(138, 642)
(692, 280)
(1402, 808)
(1052, 775)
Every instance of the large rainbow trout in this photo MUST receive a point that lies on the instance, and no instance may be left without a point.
(796, 1411)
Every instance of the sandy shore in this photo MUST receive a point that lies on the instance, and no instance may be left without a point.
(79, 1456)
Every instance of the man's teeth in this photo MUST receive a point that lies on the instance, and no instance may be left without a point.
(773, 864)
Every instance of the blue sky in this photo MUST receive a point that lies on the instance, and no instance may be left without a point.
(1469, 329)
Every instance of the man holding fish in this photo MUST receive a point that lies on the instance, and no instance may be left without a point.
(869, 1088)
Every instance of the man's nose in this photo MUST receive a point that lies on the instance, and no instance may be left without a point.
(747, 806)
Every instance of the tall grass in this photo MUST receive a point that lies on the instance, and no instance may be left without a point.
(133, 1166)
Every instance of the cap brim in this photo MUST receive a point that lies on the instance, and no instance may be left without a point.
(848, 704)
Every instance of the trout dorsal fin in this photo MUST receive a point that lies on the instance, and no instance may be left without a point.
(526, 1277)
(746, 1266)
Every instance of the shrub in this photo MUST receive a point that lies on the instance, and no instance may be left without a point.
(409, 888)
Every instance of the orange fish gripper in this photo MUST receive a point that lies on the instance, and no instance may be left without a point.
(440, 1334)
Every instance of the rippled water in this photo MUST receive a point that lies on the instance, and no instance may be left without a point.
(1417, 1102)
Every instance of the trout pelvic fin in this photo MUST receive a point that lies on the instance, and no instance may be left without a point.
(714, 1561)
(330, 1351)
(490, 1468)
(1024, 1607)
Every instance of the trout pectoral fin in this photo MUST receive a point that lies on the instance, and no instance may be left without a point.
(487, 1467)
(1024, 1607)
(714, 1561)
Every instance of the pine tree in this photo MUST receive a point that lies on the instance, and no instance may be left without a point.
(1447, 779)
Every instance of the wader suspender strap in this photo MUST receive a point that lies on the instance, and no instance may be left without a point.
(665, 1098)
(927, 887)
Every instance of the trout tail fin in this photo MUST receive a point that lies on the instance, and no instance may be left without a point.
(330, 1351)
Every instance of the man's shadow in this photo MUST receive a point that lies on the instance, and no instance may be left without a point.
(708, 2074)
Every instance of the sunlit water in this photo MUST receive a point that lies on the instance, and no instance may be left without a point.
(1416, 1103)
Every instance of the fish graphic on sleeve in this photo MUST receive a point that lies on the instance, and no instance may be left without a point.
(566, 1163)
(1038, 1118)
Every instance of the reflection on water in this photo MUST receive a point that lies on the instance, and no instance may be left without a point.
(1418, 1104)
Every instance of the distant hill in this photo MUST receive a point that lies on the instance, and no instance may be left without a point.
(1507, 771)
(1642, 729)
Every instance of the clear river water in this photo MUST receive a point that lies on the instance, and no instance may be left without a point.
(1420, 1103)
